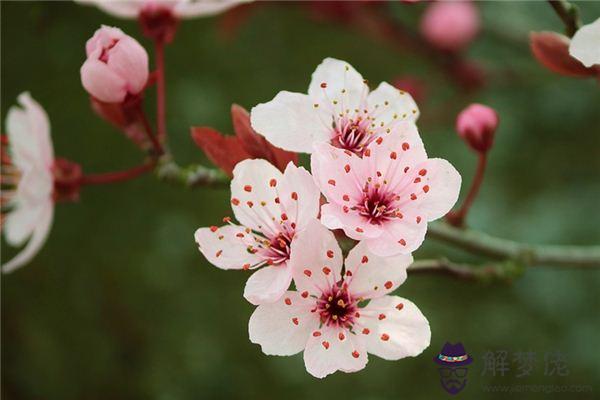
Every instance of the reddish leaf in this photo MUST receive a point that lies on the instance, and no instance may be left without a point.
(224, 151)
(256, 145)
(552, 51)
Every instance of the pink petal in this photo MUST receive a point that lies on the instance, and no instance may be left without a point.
(226, 247)
(400, 236)
(402, 332)
(299, 196)
(328, 166)
(316, 259)
(334, 349)
(437, 190)
(129, 60)
(282, 328)
(354, 225)
(373, 276)
(254, 196)
(267, 284)
(102, 82)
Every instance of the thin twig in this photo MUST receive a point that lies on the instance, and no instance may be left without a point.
(529, 254)
(504, 271)
(569, 14)
(192, 175)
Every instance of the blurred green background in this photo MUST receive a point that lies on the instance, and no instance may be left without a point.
(120, 304)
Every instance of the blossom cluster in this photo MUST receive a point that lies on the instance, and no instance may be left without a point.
(370, 186)
(371, 183)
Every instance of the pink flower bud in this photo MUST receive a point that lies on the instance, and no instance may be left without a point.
(450, 25)
(116, 66)
(477, 124)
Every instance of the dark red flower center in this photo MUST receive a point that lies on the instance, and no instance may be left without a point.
(337, 307)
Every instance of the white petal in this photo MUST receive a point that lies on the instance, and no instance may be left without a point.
(585, 44)
(374, 276)
(204, 8)
(28, 131)
(283, 329)
(268, 284)
(38, 238)
(299, 196)
(253, 195)
(388, 105)
(22, 222)
(291, 121)
(316, 259)
(402, 332)
(344, 85)
(117, 8)
(335, 349)
(226, 247)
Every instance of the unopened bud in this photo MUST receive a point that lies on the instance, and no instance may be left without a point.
(476, 125)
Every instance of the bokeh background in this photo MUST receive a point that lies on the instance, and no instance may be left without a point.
(120, 304)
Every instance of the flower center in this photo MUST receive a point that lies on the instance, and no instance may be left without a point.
(336, 307)
(277, 250)
(352, 135)
(377, 206)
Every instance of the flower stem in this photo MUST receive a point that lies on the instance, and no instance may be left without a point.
(457, 218)
(159, 50)
(568, 13)
(148, 128)
(117, 176)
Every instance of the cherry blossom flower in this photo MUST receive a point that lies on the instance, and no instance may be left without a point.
(273, 208)
(585, 44)
(326, 315)
(387, 196)
(132, 9)
(28, 170)
(338, 109)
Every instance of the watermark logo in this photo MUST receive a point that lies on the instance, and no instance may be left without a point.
(453, 361)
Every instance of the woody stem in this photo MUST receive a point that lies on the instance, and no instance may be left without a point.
(568, 13)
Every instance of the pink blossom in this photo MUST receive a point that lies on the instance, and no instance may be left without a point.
(476, 125)
(29, 173)
(273, 207)
(338, 109)
(325, 316)
(116, 66)
(179, 8)
(450, 25)
(387, 196)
